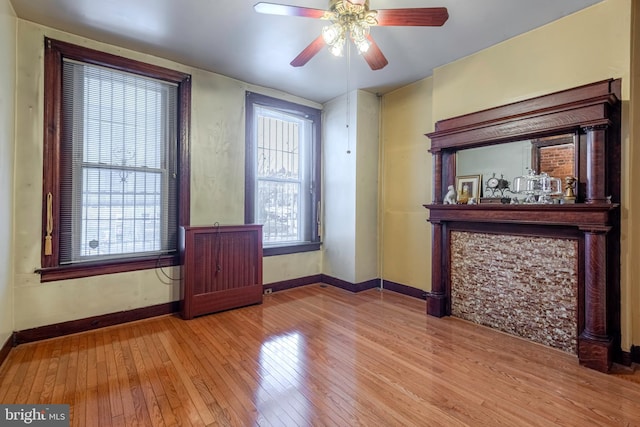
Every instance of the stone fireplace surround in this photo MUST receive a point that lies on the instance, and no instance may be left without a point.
(497, 281)
(592, 113)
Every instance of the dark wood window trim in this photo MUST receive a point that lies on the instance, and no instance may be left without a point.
(55, 52)
(249, 204)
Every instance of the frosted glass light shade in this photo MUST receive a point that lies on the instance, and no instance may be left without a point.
(332, 33)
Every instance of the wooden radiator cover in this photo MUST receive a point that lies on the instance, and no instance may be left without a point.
(221, 268)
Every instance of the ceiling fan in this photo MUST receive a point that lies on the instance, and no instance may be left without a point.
(353, 19)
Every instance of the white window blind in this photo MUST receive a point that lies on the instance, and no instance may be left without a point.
(119, 161)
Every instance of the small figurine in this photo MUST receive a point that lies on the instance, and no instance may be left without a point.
(569, 195)
(472, 201)
(451, 196)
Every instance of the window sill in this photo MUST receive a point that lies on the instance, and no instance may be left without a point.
(291, 249)
(77, 271)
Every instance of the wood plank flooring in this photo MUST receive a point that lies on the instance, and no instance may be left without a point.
(315, 356)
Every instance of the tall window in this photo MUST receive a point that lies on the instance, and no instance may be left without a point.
(283, 173)
(115, 190)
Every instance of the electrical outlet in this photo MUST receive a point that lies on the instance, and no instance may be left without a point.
(268, 291)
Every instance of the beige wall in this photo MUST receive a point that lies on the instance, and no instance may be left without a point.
(406, 185)
(339, 188)
(585, 47)
(367, 172)
(631, 295)
(7, 126)
(217, 190)
(350, 182)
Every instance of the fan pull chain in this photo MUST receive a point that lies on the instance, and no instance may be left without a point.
(48, 249)
(348, 97)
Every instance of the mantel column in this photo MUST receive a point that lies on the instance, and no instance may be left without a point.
(437, 298)
(596, 164)
(437, 177)
(594, 342)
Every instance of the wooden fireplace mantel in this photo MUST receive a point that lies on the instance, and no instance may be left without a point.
(581, 215)
(592, 113)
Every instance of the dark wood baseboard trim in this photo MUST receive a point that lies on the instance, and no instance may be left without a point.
(353, 287)
(95, 322)
(338, 283)
(6, 348)
(404, 289)
(623, 358)
(369, 284)
(293, 283)
(635, 354)
(343, 284)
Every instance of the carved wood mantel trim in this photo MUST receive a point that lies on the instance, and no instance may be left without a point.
(581, 215)
(589, 111)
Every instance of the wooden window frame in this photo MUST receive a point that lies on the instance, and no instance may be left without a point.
(316, 150)
(55, 52)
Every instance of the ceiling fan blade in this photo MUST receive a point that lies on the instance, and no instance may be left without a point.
(419, 17)
(374, 56)
(284, 10)
(308, 52)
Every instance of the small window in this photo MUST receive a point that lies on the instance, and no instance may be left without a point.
(283, 173)
(116, 184)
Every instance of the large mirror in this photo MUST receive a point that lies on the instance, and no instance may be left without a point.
(555, 155)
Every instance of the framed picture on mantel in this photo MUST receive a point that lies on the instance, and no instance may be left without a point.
(468, 187)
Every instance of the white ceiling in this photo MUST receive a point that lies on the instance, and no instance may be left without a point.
(228, 37)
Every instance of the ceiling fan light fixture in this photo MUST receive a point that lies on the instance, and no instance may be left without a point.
(362, 46)
(359, 31)
(332, 33)
(348, 19)
(337, 49)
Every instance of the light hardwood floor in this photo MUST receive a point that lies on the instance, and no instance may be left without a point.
(315, 355)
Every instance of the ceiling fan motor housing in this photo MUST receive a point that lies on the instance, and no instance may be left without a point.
(346, 10)
(334, 3)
